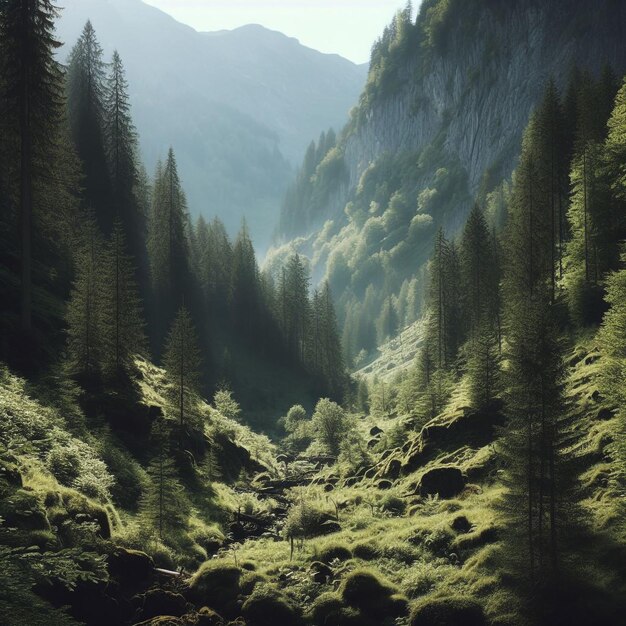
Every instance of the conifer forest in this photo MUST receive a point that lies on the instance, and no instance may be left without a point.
(406, 406)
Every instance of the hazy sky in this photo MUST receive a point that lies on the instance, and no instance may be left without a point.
(347, 27)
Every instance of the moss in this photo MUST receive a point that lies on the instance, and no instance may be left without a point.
(215, 584)
(393, 504)
(448, 611)
(268, 607)
(327, 610)
(334, 552)
(365, 590)
(71, 505)
(249, 581)
(23, 510)
(365, 551)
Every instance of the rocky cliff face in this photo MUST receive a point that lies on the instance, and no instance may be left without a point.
(438, 126)
(472, 90)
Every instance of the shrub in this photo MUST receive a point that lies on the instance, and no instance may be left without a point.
(329, 424)
(393, 504)
(448, 612)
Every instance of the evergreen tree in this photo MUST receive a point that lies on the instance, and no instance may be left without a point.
(483, 367)
(295, 306)
(86, 306)
(613, 372)
(182, 365)
(86, 96)
(167, 246)
(121, 149)
(32, 103)
(479, 276)
(245, 296)
(163, 507)
(123, 325)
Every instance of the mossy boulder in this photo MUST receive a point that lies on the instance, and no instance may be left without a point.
(446, 482)
(335, 552)
(216, 584)
(71, 505)
(366, 551)
(451, 611)
(132, 569)
(23, 510)
(157, 602)
(268, 607)
(372, 595)
(327, 610)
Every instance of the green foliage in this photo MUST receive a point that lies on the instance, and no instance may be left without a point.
(483, 367)
(448, 610)
(330, 425)
(225, 403)
(182, 364)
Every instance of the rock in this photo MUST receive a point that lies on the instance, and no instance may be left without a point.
(322, 573)
(161, 602)
(328, 487)
(131, 568)
(376, 431)
(208, 617)
(216, 585)
(23, 510)
(268, 607)
(393, 469)
(372, 443)
(446, 482)
(461, 524)
(384, 484)
(604, 414)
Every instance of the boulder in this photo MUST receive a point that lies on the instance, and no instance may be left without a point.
(384, 484)
(461, 524)
(376, 431)
(161, 602)
(130, 568)
(446, 482)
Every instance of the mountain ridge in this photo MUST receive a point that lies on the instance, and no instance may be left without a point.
(247, 114)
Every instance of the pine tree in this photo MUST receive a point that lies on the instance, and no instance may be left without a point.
(483, 367)
(479, 280)
(182, 364)
(86, 305)
(168, 247)
(245, 293)
(121, 148)
(123, 325)
(613, 370)
(332, 364)
(86, 95)
(163, 507)
(32, 99)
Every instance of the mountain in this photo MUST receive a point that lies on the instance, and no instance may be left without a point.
(239, 107)
(438, 125)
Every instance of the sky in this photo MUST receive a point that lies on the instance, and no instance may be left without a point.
(345, 27)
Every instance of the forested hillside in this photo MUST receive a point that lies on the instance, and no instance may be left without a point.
(438, 125)
(182, 441)
(239, 106)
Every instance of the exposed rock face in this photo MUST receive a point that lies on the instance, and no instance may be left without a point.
(475, 92)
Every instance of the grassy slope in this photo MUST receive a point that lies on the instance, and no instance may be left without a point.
(408, 539)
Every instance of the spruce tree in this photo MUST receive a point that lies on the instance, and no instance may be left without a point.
(123, 325)
(483, 367)
(86, 96)
(163, 507)
(168, 247)
(121, 149)
(182, 363)
(32, 102)
(86, 306)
